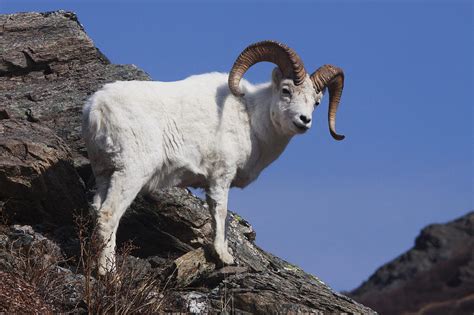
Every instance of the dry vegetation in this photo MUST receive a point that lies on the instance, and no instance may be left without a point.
(41, 280)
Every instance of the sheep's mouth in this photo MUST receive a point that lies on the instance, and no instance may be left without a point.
(302, 128)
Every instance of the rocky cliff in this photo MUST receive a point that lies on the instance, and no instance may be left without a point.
(48, 67)
(436, 276)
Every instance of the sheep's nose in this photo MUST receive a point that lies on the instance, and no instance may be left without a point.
(305, 119)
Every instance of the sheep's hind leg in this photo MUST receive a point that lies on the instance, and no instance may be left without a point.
(217, 201)
(124, 186)
(102, 184)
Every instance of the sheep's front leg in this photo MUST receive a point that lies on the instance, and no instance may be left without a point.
(217, 201)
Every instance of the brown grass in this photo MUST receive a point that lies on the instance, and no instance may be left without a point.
(127, 290)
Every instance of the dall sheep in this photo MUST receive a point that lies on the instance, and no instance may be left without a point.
(213, 131)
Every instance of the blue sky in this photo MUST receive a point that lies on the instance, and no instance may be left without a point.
(337, 209)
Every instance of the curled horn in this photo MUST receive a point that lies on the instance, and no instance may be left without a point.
(331, 77)
(283, 56)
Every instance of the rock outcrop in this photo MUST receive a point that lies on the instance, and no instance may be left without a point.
(48, 67)
(436, 276)
(38, 181)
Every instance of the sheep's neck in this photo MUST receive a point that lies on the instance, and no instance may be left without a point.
(267, 142)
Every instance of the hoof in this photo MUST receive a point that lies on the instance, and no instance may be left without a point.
(226, 258)
(223, 256)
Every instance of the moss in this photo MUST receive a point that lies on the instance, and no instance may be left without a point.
(238, 217)
(291, 267)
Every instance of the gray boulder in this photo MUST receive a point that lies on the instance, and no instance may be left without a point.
(39, 184)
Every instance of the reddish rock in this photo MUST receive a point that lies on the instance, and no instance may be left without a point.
(436, 276)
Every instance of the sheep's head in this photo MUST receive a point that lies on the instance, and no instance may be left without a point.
(295, 93)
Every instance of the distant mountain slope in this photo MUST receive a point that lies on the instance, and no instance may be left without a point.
(436, 276)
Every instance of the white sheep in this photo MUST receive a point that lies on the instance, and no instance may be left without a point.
(199, 132)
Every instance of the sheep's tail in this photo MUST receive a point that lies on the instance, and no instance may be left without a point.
(96, 128)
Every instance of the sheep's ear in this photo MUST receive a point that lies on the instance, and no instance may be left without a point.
(277, 76)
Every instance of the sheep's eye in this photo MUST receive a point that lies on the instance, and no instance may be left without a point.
(285, 92)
